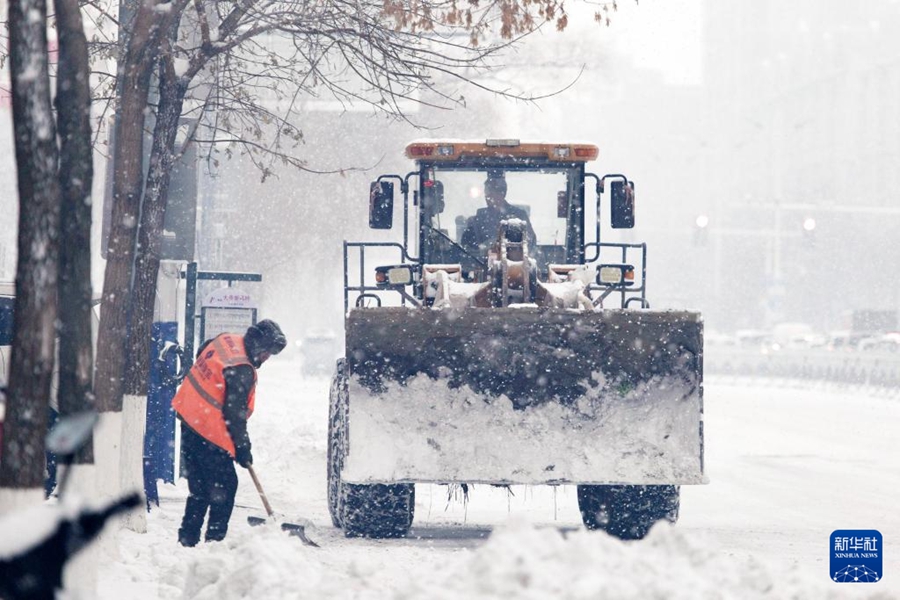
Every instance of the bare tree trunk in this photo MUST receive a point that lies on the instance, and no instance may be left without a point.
(25, 426)
(115, 473)
(76, 174)
(140, 58)
(153, 210)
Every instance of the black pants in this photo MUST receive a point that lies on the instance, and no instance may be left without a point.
(212, 482)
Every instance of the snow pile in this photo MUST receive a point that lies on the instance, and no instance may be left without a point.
(447, 291)
(566, 294)
(427, 431)
(518, 561)
(21, 530)
(267, 564)
(524, 562)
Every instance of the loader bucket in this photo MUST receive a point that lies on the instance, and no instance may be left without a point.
(524, 395)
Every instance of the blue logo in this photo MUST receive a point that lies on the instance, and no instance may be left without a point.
(856, 556)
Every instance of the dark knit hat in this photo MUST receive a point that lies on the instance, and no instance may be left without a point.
(496, 179)
(267, 336)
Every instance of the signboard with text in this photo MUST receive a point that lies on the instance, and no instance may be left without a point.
(229, 297)
(226, 310)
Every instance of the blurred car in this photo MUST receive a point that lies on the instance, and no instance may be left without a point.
(319, 351)
(888, 342)
(797, 336)
(719, 340)
(753, 339)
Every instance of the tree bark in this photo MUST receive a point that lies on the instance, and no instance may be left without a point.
(140, 58)
(153, 210)
(25, 425)
(76, 174)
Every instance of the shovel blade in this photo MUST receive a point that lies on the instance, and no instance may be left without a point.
(293, 529)
(298, 531)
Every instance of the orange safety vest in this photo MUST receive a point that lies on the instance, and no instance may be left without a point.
(200, 398)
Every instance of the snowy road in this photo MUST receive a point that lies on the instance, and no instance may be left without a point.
(786, 468)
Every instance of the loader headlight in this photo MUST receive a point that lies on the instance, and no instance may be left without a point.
(394, 275)
(615, 275)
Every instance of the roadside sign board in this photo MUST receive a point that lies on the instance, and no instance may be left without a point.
(226, 310)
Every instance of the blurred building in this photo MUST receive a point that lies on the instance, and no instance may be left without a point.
(804, 160)
(787, 153)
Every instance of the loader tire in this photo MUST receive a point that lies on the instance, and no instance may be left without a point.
(337, 402)
(627, 511)
(377, 510)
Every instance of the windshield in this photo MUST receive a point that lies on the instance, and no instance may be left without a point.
(464, 226)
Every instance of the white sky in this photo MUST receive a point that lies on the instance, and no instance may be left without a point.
(662, 34)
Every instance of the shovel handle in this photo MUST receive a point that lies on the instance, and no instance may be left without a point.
(262, 494)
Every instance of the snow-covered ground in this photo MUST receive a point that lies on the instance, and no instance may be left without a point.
(786, 468)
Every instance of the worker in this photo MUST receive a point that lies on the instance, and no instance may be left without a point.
(213, 403)
(482, 229)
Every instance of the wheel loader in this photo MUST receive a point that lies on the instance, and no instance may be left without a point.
(528, 357)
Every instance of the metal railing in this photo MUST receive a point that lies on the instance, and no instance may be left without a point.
(854, 367)
(629, 294)
(365, 291)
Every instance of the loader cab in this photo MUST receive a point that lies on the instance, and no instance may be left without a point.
(461, 206)
(452, 206)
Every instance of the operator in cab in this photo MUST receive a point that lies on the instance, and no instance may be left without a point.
(481, 230)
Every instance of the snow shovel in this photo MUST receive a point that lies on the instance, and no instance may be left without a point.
(292, 528)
